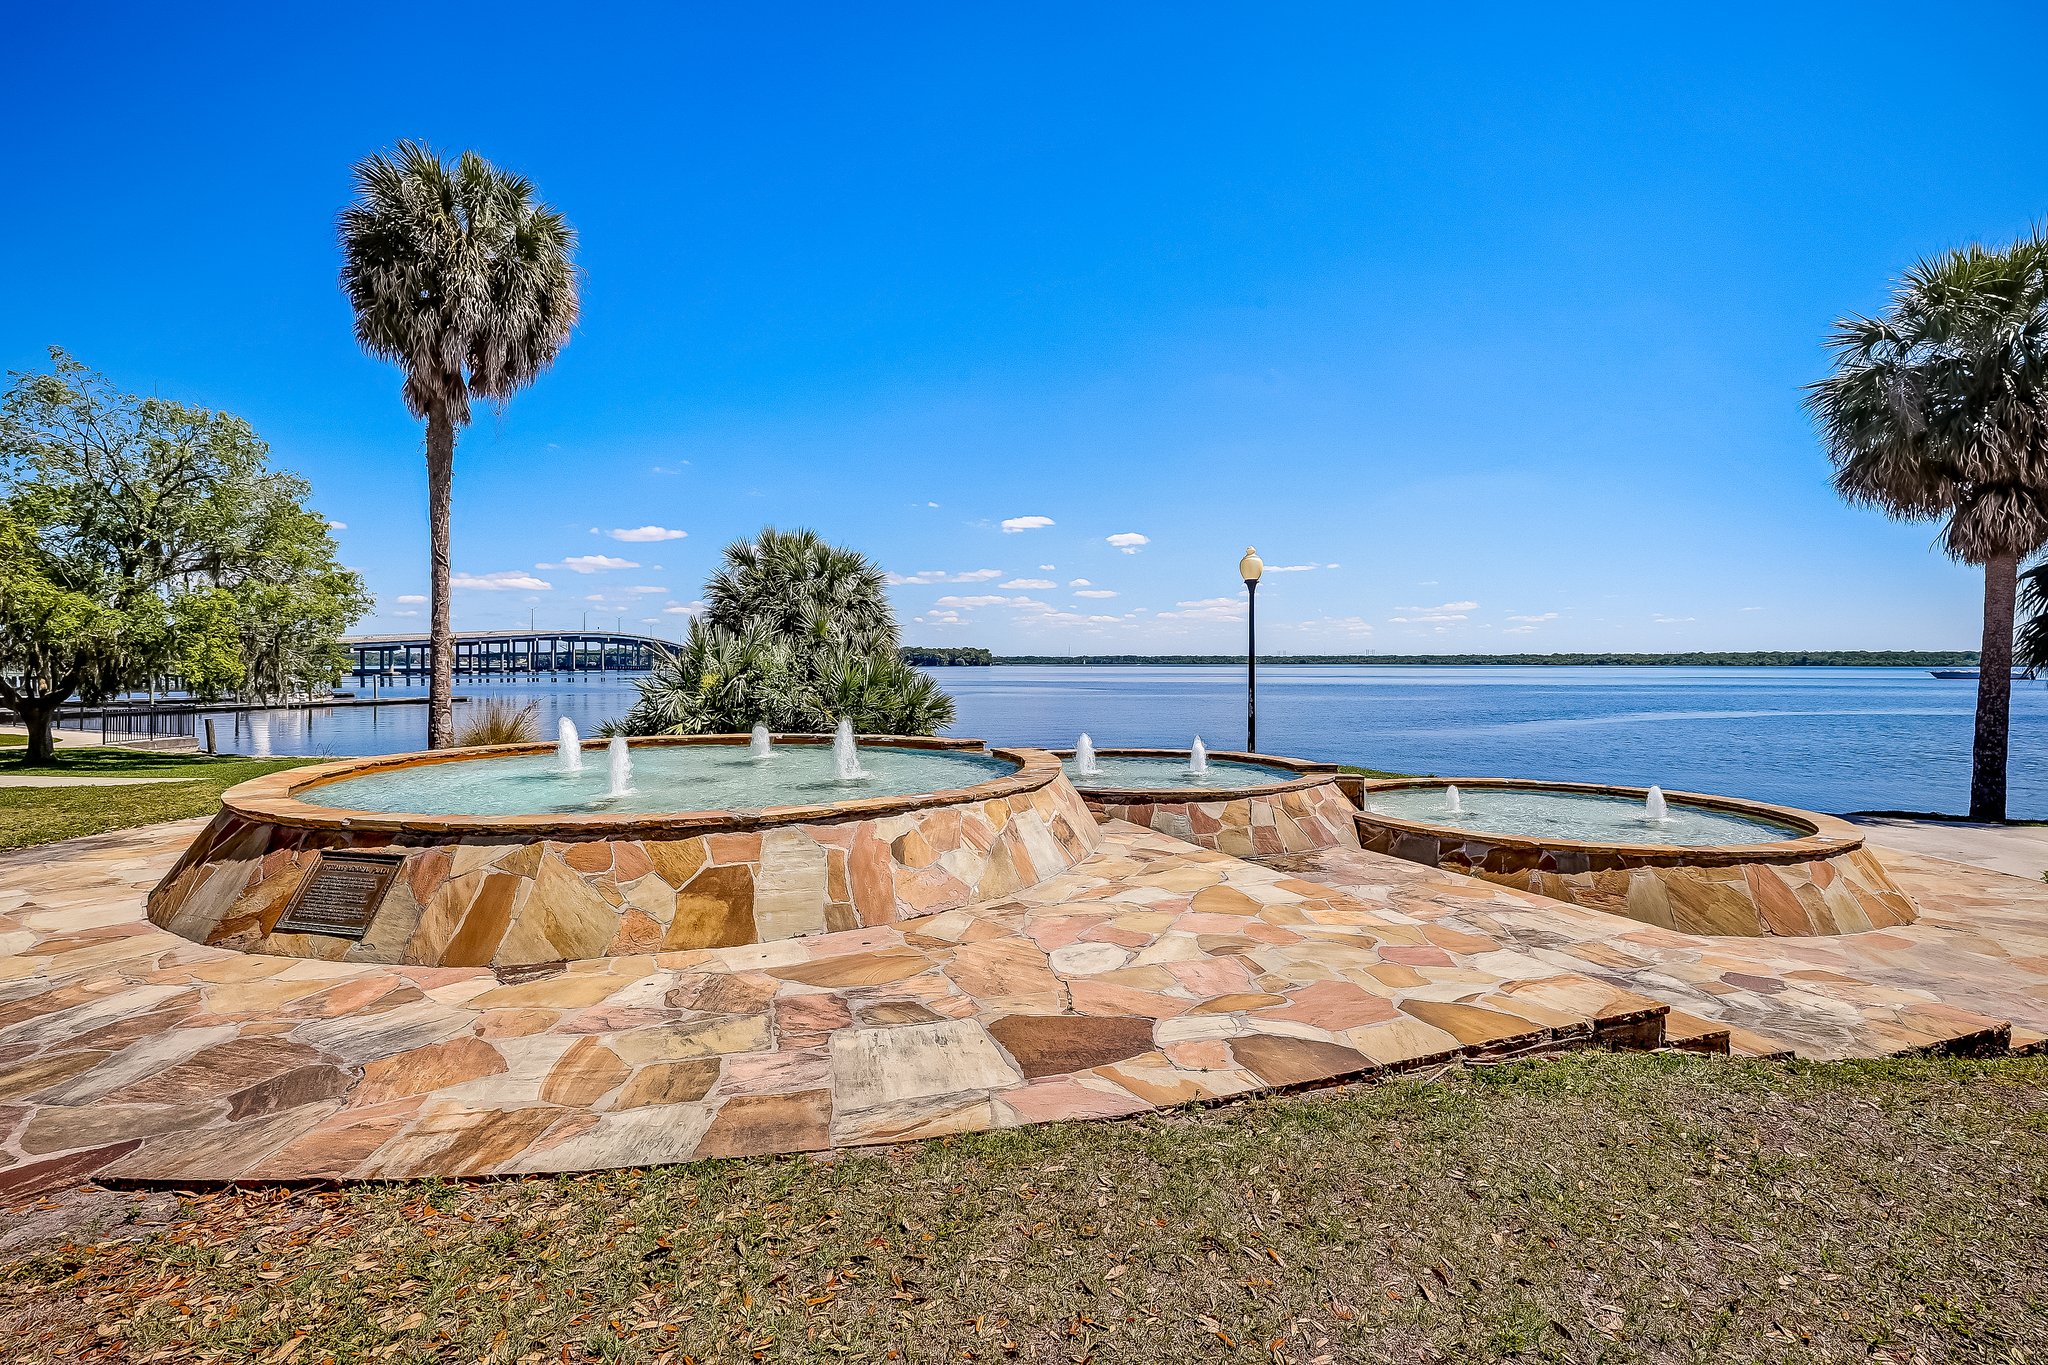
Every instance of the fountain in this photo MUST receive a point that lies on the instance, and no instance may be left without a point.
(1710, 865)
(621, 769)
(846, 758)
(568, 751)
(1198, 758)
(1084, 756)
(759, 745)
(651, 812)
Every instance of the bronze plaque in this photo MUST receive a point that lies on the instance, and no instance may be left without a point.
(340, 895)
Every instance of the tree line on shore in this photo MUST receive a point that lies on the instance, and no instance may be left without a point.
(930, 657)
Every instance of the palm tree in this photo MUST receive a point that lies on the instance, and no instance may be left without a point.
(1938, 411)
(459, 275)
(802, 587)
(797, 635)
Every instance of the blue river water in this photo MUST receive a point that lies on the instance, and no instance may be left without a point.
(1832, 739)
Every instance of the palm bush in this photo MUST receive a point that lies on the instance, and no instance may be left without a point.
(1938, 411)
(499, 720)
(461, 276)
(798, 635)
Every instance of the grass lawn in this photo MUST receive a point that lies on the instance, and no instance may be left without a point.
(1604, 1207)
(1373, 772)
(38, 815)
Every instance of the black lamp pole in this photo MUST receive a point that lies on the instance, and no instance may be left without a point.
(1250, 568)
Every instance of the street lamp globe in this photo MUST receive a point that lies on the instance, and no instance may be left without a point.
(1251, 566)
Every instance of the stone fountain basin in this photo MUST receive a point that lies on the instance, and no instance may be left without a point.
(1307, 812)
(521, 890)
(1818, 881)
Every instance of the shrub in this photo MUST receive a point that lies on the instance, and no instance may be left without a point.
(799, 636)
(498, 721)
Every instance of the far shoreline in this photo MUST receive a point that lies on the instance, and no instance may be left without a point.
(956, 657)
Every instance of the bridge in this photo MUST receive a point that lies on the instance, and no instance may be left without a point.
(484, 653)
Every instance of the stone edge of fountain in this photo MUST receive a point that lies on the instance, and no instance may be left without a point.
(274, 797)
(1312, 773)
(1826, 836)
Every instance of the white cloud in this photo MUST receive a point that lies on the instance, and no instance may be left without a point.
(1519, 630)
(644, 588)
(413, 597)
(1752, 608)
(684, 609)
(1045, 568)
(1664, 620)
(1079, 583)
(1356, 626)
(1015, 524)
(970, 603)
(642, 534)
(337, 526)
(1532, 620)
(897, 580)
(1297, 568)
(667, 469)
(1030, 584)
(1445, 607)
(509, 580)
(1206, 609)
(590, 564)
(1130, 542)
(405, 613)
(1092, 592)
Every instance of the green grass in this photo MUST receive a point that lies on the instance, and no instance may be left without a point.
(40, 815)
(1373, 772)
(1603, 1207)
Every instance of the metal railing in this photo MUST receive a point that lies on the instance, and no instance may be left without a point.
(131, 725)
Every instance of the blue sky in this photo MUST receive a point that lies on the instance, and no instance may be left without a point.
(1491, 326)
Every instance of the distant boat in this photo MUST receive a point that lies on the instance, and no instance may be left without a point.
(1970, 674)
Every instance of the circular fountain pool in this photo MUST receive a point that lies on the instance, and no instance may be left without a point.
(1125, 770)
(1242, 804)
(1582, 816)
(495, 857)
(1711, 865)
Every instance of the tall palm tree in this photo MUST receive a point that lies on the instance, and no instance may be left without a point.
(462, 277)
(1938, 411)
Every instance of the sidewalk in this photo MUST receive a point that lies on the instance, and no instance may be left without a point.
(2017, 850)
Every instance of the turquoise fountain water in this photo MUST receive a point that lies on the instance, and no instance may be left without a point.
(1172, 772)
(651, 778)
(1583, 817)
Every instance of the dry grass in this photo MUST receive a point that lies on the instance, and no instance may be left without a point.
(497, 720)
(1608, 1208)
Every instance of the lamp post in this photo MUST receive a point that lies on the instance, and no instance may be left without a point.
(1250, 568)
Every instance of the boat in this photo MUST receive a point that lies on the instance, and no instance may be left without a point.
(1970, 674)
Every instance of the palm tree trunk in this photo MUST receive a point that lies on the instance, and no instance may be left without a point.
(441, 633)
(1994, 691)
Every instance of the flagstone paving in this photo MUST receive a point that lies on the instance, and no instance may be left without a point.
(1970, 971)
(1152, 974)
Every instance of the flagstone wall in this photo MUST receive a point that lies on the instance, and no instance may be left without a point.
(1297, 817)
(531, 894)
